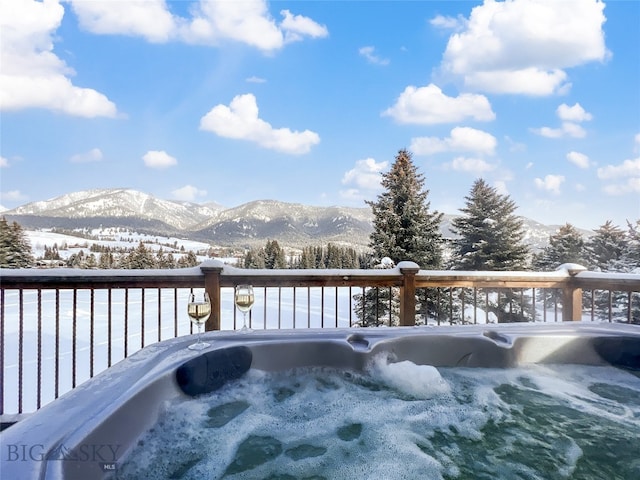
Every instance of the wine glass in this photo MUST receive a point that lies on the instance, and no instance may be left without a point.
(199, 310)
(244, 301)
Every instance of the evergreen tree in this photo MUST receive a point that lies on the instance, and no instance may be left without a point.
(565, 246)
(253, 258)
(15, 250)
(140, 258)
(274, 256)
(404, 229)
(490, 234)
(490, 237)
(604, 250)
(630, 258)
(188, 260)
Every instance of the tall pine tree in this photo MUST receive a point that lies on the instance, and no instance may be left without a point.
(490, 237)
(606, 248)
(404, 229)
(490, 233)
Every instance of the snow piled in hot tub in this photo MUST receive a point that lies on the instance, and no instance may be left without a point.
(468, 423)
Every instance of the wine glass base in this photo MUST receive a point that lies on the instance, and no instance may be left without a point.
(245, 330)
(198, 346)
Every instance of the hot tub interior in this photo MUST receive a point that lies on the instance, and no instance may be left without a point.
(521, 401)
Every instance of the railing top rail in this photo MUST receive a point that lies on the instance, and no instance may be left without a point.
(73, 278)
(231, 276)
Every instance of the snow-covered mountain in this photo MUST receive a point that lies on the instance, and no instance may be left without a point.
(118, 203)
(249, 224)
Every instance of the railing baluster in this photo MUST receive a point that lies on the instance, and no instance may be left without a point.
(322, 307)
(279, 307)
(74, 336)
(264, 310)
(159, 314)
(610, 298)
(91, 332)
(308, 307)
(126, 322)
(336, 294)
(142, 314)
(294, 306)
(109, 326)
(39, 354)
(175, 312)
(57, 347)
(20, 349)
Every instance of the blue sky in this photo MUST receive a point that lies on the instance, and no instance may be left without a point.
(307, 102)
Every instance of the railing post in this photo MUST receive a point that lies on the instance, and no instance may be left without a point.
(408, 293)
(571, 295)
(212, 270)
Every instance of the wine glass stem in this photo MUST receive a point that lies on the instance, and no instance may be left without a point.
(199, 334)
(244, 319)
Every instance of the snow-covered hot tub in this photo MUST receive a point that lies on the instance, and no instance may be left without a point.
(379, 403)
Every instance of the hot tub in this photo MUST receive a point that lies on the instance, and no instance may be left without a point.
(92, 431)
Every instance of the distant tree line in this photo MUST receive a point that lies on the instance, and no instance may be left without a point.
(273, 256)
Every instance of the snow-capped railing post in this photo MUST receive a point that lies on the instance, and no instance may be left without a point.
(571, 294)
(212, 270)
(408, 293)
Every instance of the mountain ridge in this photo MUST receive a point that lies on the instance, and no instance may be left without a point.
(249, 224)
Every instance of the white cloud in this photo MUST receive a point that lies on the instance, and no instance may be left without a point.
(448, 23)
(32, 76)
(636, 139)
(368, 52)
(570, 117)
(240, 121)
(578, 159)
(632, 185)
(210, 22)
(429, 105)
(255, 79)
(573, 114)
(523, 47)
(13, 196)
(628, 168)
(363, 180)
(188, 193)
(150, 19)
(4, 163)
(567, 129)
(461, 139)
(470, 165)
(550, 183)
(93, 155)
(298, 26)
(366, 174)
(158, 159)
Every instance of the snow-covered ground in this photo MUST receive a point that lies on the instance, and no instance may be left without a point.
(109, 237)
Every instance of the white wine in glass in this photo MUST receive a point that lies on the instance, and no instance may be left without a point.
(244, 299)
(199, 311)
